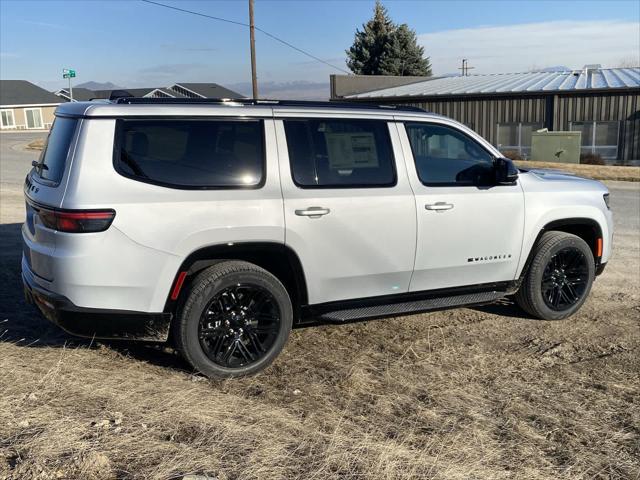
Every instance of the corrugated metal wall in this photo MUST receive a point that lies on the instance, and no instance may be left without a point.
(624, 108)
(483, 114)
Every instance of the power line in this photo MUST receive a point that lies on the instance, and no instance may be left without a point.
(242, 24)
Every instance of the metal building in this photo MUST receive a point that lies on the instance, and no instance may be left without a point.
(604, 104)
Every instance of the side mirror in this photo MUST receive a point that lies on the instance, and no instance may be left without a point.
(505, 170)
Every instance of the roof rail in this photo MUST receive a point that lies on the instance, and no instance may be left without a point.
(250, 101)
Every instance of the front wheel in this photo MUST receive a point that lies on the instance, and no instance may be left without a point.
(235, 320)
(559, 278)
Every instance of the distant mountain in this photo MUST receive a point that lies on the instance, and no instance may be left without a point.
(98, 86)
(296, 90)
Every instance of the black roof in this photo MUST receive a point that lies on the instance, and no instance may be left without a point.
(79, 94)
(210, 90)
(21, 92)
(136, 92)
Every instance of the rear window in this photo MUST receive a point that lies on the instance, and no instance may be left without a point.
(191, 153)
(345, 153)
(54, 155)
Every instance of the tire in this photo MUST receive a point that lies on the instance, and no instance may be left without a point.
(559, 278)
(235, 320)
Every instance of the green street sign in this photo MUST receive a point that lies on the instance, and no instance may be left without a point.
(68, 73)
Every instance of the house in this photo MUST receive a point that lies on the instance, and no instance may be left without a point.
(177, 90)
(602, 103)
(79, 94)
(24, 105)
(203, 90)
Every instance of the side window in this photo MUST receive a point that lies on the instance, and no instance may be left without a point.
(207, 153)
(340, 153)
(446, 156)
(54, 155)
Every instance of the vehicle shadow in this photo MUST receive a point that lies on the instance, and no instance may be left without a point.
(505, 307)
(22, 324)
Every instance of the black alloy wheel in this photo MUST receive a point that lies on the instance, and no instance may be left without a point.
(234, 319)
(239, 325)
(559, 277)
(565, 279)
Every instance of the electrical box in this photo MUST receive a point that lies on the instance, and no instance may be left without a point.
(560, 147)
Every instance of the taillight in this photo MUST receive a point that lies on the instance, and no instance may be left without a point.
(76, 221)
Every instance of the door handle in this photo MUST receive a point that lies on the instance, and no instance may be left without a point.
(439, 206)
(313, 212)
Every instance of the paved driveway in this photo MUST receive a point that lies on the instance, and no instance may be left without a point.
(15, 160)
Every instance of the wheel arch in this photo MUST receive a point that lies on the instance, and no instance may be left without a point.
(586, 228)
(278, 259)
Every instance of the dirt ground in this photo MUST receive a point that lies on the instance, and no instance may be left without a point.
(483, 393)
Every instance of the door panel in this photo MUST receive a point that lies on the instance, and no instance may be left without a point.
(467, 234)
(353, 242)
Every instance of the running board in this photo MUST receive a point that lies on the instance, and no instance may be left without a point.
(416, 306)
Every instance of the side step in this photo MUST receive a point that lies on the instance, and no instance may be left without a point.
(415, 306)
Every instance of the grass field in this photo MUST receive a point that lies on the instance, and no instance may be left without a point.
(597, 172)
(482, 393)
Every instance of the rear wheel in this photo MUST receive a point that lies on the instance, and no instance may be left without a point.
(559, 278)
(235, 320)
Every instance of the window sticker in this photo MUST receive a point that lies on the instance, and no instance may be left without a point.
(347, 151)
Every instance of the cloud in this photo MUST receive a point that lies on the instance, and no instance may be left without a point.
(294, 90)
(516, 48)
(6, 55)
(44, 24)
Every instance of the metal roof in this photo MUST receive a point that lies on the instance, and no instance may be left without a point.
(510, 83)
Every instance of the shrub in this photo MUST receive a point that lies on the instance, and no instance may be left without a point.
(512, 155)
(591, 159)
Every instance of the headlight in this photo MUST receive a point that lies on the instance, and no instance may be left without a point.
(606, 200)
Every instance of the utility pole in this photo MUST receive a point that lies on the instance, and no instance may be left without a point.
(252, 35)
(465, 67)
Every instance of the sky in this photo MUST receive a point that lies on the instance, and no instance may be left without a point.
(137, 44)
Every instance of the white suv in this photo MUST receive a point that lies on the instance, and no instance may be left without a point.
(220, 225)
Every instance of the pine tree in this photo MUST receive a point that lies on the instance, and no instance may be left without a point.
(405, 56)
(384, 48)
(371, 44)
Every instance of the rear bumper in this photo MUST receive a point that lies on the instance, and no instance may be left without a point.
(95, 322)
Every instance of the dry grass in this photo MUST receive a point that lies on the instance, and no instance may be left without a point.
(597, 172)
(36, 144)
(462, 394)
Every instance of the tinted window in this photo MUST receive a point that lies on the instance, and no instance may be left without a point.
(192, 153)
(54, 155)
(340, 153)
(446, 156)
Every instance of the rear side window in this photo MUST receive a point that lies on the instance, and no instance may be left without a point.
(191, 153)
(54, 155)
(340, 153)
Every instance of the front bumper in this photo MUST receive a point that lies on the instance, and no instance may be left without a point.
(95, 322)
